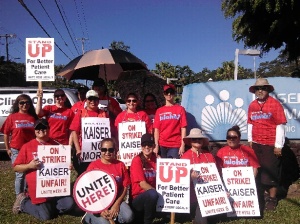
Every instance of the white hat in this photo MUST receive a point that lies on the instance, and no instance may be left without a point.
(195, 133)
(92, 93)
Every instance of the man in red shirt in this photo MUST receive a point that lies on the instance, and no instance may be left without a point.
(266, 135)
(28, 163)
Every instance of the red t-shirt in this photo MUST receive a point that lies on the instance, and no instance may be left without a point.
(25, 156)
(138, 174)
(169, 120)
(204, 157)
(77, 106)
(124, 116)
(242, 156)
(59, 121)
(117, 169)
(264, 118)
(21, 128)
(76, 123)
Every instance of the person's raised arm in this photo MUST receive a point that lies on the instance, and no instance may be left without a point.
(38, 109)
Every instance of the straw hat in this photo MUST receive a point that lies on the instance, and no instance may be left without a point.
(195, 133)
(261, 82)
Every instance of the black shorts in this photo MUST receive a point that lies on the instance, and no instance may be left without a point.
(270, 165)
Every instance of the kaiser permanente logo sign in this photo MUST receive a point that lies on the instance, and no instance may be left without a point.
(214, 107)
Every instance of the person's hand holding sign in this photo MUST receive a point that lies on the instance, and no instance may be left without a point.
(35, 164)
(114, 211)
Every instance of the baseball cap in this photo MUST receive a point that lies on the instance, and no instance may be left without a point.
(91, 93)
(147, 138)
(169, 86)
(41, 122)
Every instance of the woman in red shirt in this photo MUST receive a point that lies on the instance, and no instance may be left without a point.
(236, 154)
(132, 113)
(120, 209)
(58, 116)
(91, 110)
(19, 125)
(196, 154)
(143, 180)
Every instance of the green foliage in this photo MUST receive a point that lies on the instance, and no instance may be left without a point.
(119, 45)
(266, 24)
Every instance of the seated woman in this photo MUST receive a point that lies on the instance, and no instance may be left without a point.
(236, 154)
(41, 208)
(119, 210)
(196, 155)
(143, 179)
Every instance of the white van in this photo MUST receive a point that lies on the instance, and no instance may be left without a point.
(9, 94)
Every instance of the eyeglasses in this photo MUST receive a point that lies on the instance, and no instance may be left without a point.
(93, 98)
(149, 101)
(149, 144)
(110, 150)
(263, 88)
(232, 137)
(59, 95)
(129, 101)
(169, 91)
(24, 102)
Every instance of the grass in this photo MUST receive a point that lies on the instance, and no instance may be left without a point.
(288, 210)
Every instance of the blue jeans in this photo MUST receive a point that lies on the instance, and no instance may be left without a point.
(125, 216)
(146, 202)
(20, 177)
(48, 210)
(166, 152)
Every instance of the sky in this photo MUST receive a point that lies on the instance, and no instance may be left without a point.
(181, 32)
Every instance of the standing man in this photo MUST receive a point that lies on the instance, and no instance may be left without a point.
(266, 135)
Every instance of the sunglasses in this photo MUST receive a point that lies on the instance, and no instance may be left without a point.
(110, 150)
(169, 91)
(93, 98)
(149, 101)
(149, 144)
(232, 137)
(196, 139)
(41, 129)
(129, 101)
(59, 95)
(263, 88)
(24, 102)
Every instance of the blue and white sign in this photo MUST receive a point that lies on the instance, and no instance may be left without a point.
(214, 107)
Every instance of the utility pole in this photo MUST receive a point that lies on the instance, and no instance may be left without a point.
(6, 42)
(82, 39)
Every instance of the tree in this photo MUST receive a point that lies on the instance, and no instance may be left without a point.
(119, 45)
(266, 24)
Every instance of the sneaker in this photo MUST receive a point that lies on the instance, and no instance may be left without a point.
(17, 205)
(270, 204)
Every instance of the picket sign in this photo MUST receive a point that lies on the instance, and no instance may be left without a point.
(95, 191)
(173, 185)
(240, 183)
(40, 59)
(53, 177)
(130, 134)
(210, 191)
(93, 130)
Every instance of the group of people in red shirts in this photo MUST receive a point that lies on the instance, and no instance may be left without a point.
(165, 137)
